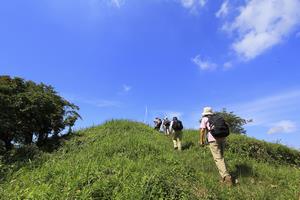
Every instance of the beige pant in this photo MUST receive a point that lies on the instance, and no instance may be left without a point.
(177, 136)
(217, 150)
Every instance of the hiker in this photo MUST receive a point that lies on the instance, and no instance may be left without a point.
(166, 125)
(176, 131)
(157, 123)
(217, 130)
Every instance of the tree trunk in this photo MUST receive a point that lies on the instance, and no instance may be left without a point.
(8, 144)
(28, 138)
(42, 138)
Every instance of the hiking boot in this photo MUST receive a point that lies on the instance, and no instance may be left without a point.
(228, 180)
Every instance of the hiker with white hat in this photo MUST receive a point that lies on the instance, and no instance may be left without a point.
(217, 130)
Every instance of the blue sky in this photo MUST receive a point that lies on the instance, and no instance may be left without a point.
(114, 58)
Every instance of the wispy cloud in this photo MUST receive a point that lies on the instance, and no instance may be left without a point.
(172, 114)
(193, 5)
(117, 3)
(285, 126)
(223, 11)
(167, 113)
(262, 24)
(152, 113)
(96, 3)
(227, 65)
(100, 103)
(104, 103)
(204, 64)
(72, 10)
(126, 88)
(267, 110)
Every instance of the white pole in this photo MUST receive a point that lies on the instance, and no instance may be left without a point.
(146, 115)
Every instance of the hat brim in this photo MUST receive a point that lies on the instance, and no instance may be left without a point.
(207, 113)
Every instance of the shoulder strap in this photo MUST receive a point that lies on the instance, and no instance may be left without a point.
(209, 117)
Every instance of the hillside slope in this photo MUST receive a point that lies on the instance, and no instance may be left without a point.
(128, 160)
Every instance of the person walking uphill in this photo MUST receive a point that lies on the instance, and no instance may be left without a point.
(176, 131)
(217, 130)
(166, 124)
(157, 124)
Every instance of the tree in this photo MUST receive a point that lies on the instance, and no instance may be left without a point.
(29, 109)
(234, 122)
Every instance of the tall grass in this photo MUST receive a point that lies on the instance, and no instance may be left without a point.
(128, 160)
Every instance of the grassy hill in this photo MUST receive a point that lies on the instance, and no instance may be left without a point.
(128, 160)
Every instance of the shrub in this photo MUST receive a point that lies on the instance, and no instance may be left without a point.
(263, 151)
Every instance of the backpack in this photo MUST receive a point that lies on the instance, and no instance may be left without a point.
(218, 126)
(167, 123)
(177, 125)
(158, 123)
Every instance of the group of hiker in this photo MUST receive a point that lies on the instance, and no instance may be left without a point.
(173, 128)
(213, 131)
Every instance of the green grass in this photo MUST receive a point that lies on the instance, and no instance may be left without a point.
(128, 160)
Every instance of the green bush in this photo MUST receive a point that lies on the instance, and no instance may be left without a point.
(263, 151)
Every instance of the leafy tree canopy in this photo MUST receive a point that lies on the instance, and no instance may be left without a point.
(29, 109)
(234, 122)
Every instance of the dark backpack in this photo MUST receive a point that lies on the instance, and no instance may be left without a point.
(158, 124)
(218, 126)
(177, 125)
(167, 123)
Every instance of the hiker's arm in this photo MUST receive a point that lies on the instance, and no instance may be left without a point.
(202, 136)
(202, 131)
(171, 126)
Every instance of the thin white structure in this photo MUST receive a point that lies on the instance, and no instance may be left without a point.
(146, 115)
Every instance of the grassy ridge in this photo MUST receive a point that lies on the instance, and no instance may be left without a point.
(128, 160)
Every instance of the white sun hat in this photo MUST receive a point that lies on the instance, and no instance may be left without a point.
(207, 111)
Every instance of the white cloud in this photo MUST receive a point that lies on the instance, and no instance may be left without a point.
(204, 64)
(262, 24)
(126, 88)
(193, 5)
(285, 126)
(223, 11)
